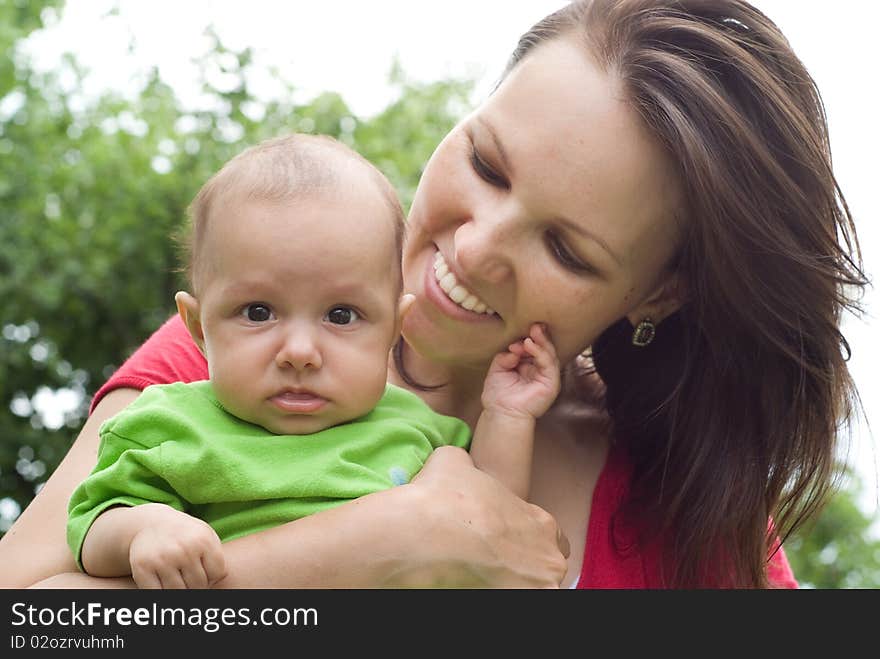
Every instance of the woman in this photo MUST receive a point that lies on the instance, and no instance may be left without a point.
(652, 181)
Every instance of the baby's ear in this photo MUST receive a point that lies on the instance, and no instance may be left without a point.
(403, 306)
(188, 308)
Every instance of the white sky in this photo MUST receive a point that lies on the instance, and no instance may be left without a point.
(347, 46)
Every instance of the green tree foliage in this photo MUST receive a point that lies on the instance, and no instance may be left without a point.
(839, 549)
(18, 18)
(91, 193)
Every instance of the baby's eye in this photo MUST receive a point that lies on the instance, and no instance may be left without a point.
(342, 316)
(258, 313)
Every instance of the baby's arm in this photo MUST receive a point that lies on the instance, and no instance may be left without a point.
(521, 385)
(125, 518)
(159, 546)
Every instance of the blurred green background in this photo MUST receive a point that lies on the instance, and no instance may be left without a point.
(91, 192)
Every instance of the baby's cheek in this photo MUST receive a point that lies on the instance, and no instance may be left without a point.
(231, 393)
(361, 384)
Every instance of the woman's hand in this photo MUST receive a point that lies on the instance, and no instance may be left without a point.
(476, 533)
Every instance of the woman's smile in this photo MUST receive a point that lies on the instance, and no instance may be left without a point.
(455, 290)
(454, 299)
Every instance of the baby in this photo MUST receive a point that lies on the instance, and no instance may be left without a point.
(296, 300)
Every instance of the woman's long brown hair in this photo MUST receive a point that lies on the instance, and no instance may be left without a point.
(732, 414)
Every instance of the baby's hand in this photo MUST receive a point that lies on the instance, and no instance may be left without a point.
(524, 380)
(175, 550)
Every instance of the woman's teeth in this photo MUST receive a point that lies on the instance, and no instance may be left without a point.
(455, 291)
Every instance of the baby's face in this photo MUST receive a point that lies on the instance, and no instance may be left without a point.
(299, 306)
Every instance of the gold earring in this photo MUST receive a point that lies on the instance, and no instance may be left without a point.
(643, 333)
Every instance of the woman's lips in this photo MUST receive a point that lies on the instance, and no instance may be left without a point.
(449, 308)
(298, 402)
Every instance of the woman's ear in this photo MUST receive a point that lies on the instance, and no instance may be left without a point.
(667, 298)
(188, 308)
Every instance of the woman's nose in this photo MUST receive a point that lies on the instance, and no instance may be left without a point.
(300, 350)
(482, 248)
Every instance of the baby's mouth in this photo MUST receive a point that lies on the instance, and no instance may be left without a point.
(301, 402)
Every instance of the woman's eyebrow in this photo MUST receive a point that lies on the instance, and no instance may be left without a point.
(498, 145)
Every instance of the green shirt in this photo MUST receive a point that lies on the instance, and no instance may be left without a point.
(177, 445)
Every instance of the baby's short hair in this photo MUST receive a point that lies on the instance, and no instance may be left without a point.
(284, 168)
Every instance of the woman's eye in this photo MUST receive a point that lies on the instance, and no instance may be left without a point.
(258, 313)
(485, 171)
(342, 316)
(564, 255)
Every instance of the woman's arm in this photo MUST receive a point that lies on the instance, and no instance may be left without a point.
(36, 546)
(452, 526)
(78, 580)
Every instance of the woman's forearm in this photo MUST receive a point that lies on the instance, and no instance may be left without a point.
(355, 545)
(35, 548)
(79, 580)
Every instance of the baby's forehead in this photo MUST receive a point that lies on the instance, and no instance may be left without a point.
(376, 289)
(333, 204)
(328, 220)
(327, 241)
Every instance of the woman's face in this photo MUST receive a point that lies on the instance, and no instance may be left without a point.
(551, 203)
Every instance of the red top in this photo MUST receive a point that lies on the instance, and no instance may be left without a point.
(613, 557)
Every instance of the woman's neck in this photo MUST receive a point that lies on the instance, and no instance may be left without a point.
(460, 390)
